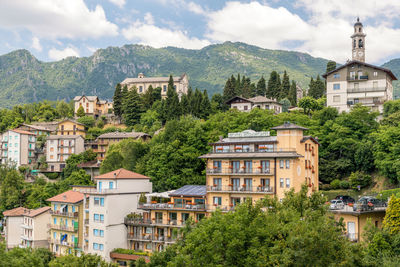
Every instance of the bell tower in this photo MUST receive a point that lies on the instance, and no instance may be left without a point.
(358, 42)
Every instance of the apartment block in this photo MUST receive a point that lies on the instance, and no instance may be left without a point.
(92, 105)
(70, 127)
(18, 147)
(142, 83)
(260, 102)
(66, 223)
(255, 165)
(12, 221)
(34, 228)
(164, 214)
(60, 147)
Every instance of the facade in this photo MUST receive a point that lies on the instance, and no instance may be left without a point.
(244, 104)
(157, 227)
(91, 167)
(92, 105)
(70, 127)
(357, 82)
(18, 147)
(254, 165)
(60, 147)
(103, 142)
(66, 223)
(115, 194)
(142, 83)
(12, 221)
(34, 228)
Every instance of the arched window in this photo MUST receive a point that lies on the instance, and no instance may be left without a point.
(354, 43)
(360, 43)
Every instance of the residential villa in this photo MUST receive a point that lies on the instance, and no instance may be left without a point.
(18, 147)
(142, 83)
(92, 105)
(12, 221)
(116, 194)
(70, 127)
(357, 82)
(66, 224)
(34, 228)
(60, 147)
(261, 102)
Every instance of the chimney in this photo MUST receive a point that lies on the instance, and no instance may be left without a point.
(115, 175)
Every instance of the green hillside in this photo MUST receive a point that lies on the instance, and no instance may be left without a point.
(23, 78)
(394, 66)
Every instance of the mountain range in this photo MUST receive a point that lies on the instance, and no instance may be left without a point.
(24, 79)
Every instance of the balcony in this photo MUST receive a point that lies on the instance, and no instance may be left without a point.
(25, 237)
(65, 214)
(86, 221)
(366, 90)
(154, 222)
(150, 238)
(240, 171)
(26, 226)
(63, 243)
(250, 150)
(224, 208)
(63, 227)
(171, 206)
(357, 78)
(366, 103)
(241, 189)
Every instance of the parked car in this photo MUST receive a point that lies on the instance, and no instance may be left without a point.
(368, 203)
(336, 204)
(346, 199)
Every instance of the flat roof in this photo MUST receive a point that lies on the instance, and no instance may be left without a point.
(190, 190)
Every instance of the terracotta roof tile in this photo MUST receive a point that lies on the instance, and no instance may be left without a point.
(22, 132)
(121, 174)
(36, 212)
(15, 212)
(69, 196)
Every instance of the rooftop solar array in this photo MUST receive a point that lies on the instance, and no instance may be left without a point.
(190, 190)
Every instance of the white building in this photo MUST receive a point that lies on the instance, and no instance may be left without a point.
(116, 195)
(60, 147)
(357, 82)
(18, 147)
(12, 222)
(34, 228)
(261, 102)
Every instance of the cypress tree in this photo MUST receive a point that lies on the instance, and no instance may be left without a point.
(293, 94)
(229, 89)
(133, 108)
(261, 87)
(238, 86)
(205, 106)
(274, 84)
(190, 100)
(285, 86)
(253, 90)
(124, 96)
(316, 88)
(117, 100)
(246, 87)
(311, 88)
(197, 99)
(185, 106)
(147, 98)
(171, 83)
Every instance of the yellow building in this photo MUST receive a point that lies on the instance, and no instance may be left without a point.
(158, 226)
(254, 165)
(92, 105)
(71, 127)
(66, 225)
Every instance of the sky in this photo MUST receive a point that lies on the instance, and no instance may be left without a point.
(55, 29)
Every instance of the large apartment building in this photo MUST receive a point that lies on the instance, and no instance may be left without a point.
(34, 228)
(60, 147)
(18, 147)
(142, 83)
(357, 82)
(254, 165)
(92, 105)
(116, 193)
(158, 226)
(12, 222)
(66, 224)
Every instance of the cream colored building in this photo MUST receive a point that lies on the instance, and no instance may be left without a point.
(18, 147)
(261, 102)
(92, 105)
(116, 195)
(12, 221)
(60, 147)
(357, 82)
(142, 83)
(34, 228)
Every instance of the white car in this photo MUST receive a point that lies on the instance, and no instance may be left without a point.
(336, 204)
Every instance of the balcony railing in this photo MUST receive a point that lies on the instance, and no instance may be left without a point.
(63, 227)
(169, 206)
(357, 78)
(221, 207)
(237, 171)
(150, 237)
(66, 214)
(25, 237)
(155, 222)
(250, 150)
(352, 237)
(240, 189)
(365, 90)
(63, 243)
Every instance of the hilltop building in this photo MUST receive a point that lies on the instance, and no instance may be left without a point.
(142, 83)
(358, 82)
(18, 147)
(244, 104)
(92, 105)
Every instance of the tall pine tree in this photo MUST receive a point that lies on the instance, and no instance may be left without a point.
(274, 84)
(293, 94)
(246, 87)
(117, 100)
(261, 87)
(205, 106)
(133, 108)
(316, 88)
(285, 86)
(229, 89)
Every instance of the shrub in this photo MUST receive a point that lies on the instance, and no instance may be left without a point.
(344, 184)
(359, 179)
(385, 194)
(335, 184)
(325, 187)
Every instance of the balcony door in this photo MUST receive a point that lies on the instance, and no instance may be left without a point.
(351, 230)
(265, 166)
(217, 183)
(235, 166)
(235, 201)
(235, 184)
(248, 182)
(248, 166)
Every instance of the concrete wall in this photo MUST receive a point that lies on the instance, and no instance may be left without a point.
(13, 231)
(40, 229)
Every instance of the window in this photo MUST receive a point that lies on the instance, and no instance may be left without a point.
(101, 247)
(73, 208)
(217, 183)
(265, 166)
(217, 201)
(356, 100)
(101, 233)
(148, 246)
(336, 98)
(336, 75)
(287, 182)
(287, 164)
(96, 201)
(96, 217)
(102, 201)
(55, 206)
(55, 220)
(281, 163)
(199, 216)
(245, 107)
(95, 232)
(217, 166)
(375, 73)
(54, 235)
(336, 86)
(281, 183)
(101, 218)
(164, 88)
(111, 185)
(95, 246)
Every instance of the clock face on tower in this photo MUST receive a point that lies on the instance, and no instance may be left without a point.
(360, 53)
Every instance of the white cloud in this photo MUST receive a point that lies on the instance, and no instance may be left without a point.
(195, 8)
(56, 19)
(56, 54)
(145, 32)
(119, 3)
(36, 44)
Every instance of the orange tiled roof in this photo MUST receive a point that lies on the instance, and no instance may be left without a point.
(22, 132)
(36, 212)
(121, 174)
(15, 212)
(69, 196)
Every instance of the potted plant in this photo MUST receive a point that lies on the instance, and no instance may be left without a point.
(230, 185)
(231, 205)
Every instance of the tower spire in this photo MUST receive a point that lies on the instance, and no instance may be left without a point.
(358, 42)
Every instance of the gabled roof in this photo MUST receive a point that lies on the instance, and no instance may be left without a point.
(71, 120)
(237, 97)
(121, 174)
(56, 137)
(255, 100)
(15, 212)
(22, 132)
(289, 126)
(190, 191)
(69, 196)
(37, 127)
(90, 98)
(389, 72)
(123, 135)
(305, 138)
(36, 212)
(152, 79)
